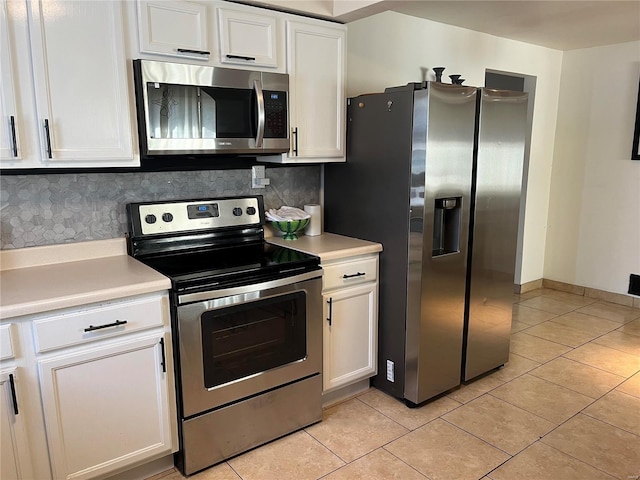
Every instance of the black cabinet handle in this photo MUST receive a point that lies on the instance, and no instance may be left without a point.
(359, 274)
(48, 137)
(14, 141)
(117, 323)
(330, 302)
(164, 359)
(295, 141)
(197, 52)
(14, 398)
(240, 57)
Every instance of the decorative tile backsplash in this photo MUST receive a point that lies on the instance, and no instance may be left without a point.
(51, 209)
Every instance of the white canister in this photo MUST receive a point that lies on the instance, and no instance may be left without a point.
(315, 224)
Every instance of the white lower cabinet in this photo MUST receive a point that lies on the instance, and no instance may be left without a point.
(106, 407)
(15, 462)
(87, 392)
(15, 458)
(350, 297)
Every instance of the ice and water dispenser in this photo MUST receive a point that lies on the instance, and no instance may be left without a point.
(446, 226)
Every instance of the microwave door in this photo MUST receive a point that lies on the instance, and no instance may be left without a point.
(176, 112)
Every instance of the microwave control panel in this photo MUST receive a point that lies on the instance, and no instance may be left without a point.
(275, 112)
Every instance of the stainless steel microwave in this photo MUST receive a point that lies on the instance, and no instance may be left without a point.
(194, 109)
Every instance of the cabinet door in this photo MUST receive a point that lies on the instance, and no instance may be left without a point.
(248, 38)
(81, 87)
(173, 27)
(14, 457)
(316, 66)
(106, 408)
(8, 100)
(350, 335)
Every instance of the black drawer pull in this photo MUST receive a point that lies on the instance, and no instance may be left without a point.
(197, 52)
(14, 141)
(164, 359)
(47, 134)
(240, 57)
(117, 323)
(295, 141)
(330, 302)
(359, 274)
(14, 398)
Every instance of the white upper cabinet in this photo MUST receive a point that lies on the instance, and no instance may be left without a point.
(81, 86)
(316, 65)
(64, 94)
(250, 38)
(174, 28)
(216, 33)
(9, 139)
(18, 135)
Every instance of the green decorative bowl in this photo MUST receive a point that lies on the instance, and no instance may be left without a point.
(290, 227)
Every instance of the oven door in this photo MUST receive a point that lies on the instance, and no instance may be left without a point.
(246, 340)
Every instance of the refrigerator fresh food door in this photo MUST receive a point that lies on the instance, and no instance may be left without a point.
(500, 155)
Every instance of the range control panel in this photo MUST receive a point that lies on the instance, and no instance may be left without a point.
(190, 215)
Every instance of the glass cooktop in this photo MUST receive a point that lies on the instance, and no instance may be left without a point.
(231, 265)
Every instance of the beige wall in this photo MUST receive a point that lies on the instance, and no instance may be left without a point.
(393, 49)
(594, 213)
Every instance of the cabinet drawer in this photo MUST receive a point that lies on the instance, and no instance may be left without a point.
(344, 274)
(6, 345)
(80, 326)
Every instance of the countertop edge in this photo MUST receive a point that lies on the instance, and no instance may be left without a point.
(72, 301)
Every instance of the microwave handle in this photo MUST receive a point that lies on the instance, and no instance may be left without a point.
(257, 85)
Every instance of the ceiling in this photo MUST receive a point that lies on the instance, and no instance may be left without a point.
(559, 24)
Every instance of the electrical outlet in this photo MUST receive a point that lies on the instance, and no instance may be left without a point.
(258, 179)
(390, 371)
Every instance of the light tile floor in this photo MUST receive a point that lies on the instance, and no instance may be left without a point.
(566, 406)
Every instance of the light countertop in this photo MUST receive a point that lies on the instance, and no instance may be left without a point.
(40, 279)
(329, 246)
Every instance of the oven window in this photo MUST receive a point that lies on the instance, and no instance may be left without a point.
(253, 337)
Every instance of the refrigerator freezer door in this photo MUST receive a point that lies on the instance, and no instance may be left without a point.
(500, 155)
(441, 174)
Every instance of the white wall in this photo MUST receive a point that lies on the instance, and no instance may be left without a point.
(393, 49)
(594, 213)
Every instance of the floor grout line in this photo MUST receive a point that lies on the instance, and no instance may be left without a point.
(488, 393)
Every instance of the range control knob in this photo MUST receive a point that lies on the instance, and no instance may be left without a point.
(150, 218)
(237, 211)
(251, 210)
(167, 217)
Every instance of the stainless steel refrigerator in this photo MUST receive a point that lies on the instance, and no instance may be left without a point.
(434, 173)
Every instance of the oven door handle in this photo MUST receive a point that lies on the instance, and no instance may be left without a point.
(227, 292)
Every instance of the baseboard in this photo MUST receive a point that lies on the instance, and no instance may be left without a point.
(617, 298)
(528, 287)
(563, 287)
(345, 393)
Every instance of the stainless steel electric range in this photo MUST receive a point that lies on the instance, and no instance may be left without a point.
(246, 324)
